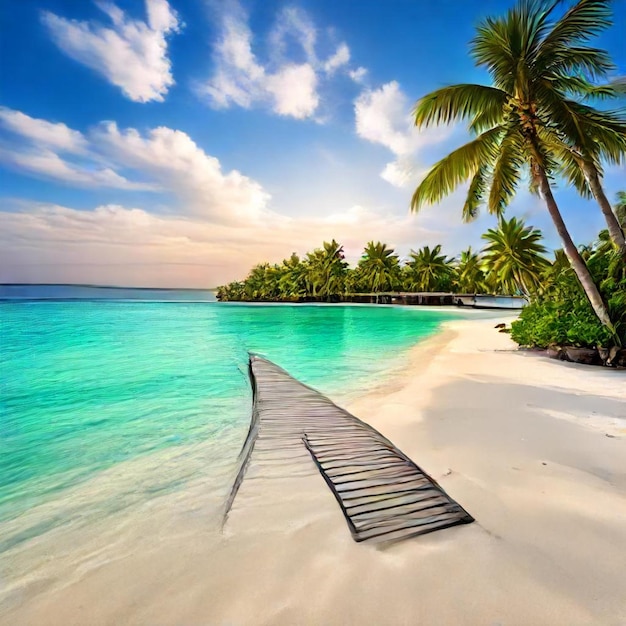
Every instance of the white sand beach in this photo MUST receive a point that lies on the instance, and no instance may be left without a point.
(534, 449)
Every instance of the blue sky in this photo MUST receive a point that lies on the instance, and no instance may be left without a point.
(177, 143)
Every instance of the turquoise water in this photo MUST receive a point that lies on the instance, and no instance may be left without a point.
(91, 385)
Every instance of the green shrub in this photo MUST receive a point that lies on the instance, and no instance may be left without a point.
(562, 315)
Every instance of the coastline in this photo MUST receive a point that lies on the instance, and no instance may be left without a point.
(519, 440)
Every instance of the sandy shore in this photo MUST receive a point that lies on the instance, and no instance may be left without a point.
(535, 450)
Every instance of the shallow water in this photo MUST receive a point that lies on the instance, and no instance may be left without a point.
(109, 404)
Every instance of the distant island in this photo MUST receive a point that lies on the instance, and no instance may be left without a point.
(511, 263)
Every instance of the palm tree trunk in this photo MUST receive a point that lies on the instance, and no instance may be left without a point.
(615, 230)
(576, 261)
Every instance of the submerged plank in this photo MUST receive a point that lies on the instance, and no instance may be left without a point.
(383, 495)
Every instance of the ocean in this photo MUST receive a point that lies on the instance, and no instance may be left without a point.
(112, 399)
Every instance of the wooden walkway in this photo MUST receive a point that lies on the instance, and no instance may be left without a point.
(383, 495)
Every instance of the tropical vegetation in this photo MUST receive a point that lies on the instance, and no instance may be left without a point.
(560, 314)
(534, 122)
(545, 117)
(514, 256)
(511, 263)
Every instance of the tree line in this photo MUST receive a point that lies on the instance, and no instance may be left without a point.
(511, 262)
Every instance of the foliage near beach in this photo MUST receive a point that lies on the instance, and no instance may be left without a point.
(511, 262)
(535, 121)
(560, 314)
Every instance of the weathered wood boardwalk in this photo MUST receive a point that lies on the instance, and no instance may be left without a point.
(383, 495)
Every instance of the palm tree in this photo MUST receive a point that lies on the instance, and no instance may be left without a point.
(232, 292)
(428, 270)
(379, 268)
(326, 270)
(522, 51)
(514, 257)
(256, 283)
(470, 277)
(292, 281)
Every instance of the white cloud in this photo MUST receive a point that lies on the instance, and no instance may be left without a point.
(54, 135)
(161, 17)
(163, 159)
(238, 77)
(130, 54)
(48, 164)
(182, 167)
(294, 89)
(383, 116)
(399, 173)
(293, 24)
(358, 75)
(37, 150)
(286, 85)
(337, 60)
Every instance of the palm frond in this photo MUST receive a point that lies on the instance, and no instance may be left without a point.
(570, 163)
(491, 48)
(580, 23)
(594, 133)
(506, 172)
(458, 102)
(533, 18)
(578, 86)
(475, 194)
(456, 168)
(594, 62)
(601, 133)
(501, 42)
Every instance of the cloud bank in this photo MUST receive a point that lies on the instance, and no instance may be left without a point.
(129, 246)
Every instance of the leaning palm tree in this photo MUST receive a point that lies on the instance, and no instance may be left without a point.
(521, 51)
(514, 257)
(428, 270)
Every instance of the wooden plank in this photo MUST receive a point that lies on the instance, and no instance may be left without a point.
(383, 495)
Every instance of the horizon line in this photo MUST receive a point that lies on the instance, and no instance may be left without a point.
(107, 286)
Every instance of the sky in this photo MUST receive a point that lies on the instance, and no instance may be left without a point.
(176, 143)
